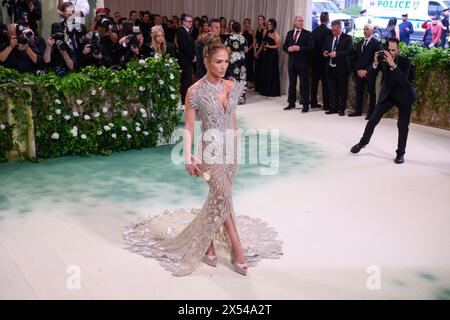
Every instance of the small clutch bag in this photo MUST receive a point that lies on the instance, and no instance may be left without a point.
(205, 174)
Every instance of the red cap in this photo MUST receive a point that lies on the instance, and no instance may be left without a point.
(101, 10)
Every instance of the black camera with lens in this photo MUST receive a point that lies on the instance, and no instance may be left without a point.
(94, 40)
(60, 42)
(380, 56)
(133, 40)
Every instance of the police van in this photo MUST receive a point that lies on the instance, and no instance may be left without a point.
(380, 11)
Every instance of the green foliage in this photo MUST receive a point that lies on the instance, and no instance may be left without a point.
(352, 10)
(431, 76)
(98, 110)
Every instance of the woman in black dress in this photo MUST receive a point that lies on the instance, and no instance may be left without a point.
(268, 52)
(249, 35)
(259, 36)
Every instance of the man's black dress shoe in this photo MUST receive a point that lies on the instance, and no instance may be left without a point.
(357, 147)
(289, 107)
(331, 112)
(355, 114)
(399, 159)
(368, 116)
(341, 113)
(304, 110)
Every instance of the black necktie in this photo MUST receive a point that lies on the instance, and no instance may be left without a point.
(364, 45)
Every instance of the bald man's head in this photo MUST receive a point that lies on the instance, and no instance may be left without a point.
(298, 22)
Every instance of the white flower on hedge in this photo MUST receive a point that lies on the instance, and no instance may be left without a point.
(79, 102)
(104, 109)
(138, 129)
(161, 129)
(57, 101)
(50, 117)
(145, 133)
(161, 82)
(107, 128)
(111, 124)
(66, 117)
(93, 92)
(142, 110)
(124, 113)
(58, 111)
(2, 126)
(129, 136)
(55, 136)
(141, 88)
(83, 136)
(138, 124)
(172, 88)
(142, 61)
(99, 133)
(74, 131)
(87, 117)
(96, 114)
(171, 61)
(114, 135)
(171, 76)
(123, 128)
(76, 114)
(144, 115)
(173, 96)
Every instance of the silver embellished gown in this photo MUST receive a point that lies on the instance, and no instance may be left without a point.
(179, 238)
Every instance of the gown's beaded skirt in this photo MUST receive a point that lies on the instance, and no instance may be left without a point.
(179, 238)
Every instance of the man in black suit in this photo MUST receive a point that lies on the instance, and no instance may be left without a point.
(299, 45)
(396, 90)
(365, 51)
(186, 54)
(338, 49)
(320, 34)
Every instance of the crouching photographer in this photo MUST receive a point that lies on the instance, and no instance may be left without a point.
(18, 52)
(396, 90)
(94, 53)
(132, 46)
(58, 56)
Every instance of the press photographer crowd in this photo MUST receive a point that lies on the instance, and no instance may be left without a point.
(73, 45)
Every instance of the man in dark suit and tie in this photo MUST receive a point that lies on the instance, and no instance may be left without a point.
(365, 51)
(186, 54)
(320, 34)
(338, 49)
(396, 90)
(299, 45)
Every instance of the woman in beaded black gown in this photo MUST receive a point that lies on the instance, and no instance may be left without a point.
(181, 239)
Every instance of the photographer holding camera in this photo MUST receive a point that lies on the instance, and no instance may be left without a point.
(18, 52)
(81, 8)
(132, 46)
(396, 90)
(94, 53)
(26, 11)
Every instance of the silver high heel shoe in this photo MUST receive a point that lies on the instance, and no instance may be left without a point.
(210, 260)
(240, 268)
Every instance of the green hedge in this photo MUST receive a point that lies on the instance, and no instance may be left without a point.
(95, 111)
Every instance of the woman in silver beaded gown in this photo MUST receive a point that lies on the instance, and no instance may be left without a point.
(181, 239)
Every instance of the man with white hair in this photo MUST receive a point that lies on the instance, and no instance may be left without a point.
(81, 9)
(365, 52)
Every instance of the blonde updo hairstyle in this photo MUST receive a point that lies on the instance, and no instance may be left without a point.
(213, 44)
